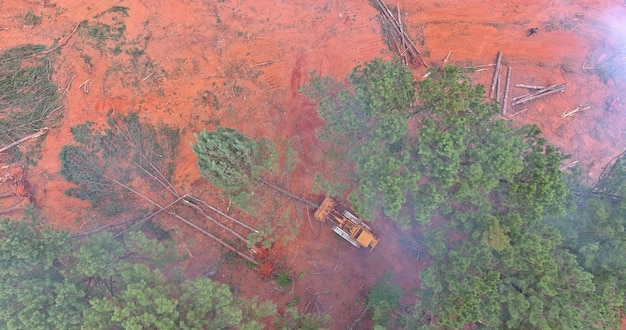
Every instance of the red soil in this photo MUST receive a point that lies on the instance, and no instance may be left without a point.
(254, 56)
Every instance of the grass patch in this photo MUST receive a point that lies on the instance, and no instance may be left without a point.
(101, 33)
(31, 19)
(283, 279)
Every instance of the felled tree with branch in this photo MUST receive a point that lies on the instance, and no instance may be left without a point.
(124, 150)
(232, 160)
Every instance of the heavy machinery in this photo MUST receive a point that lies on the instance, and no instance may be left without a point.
(346, 224)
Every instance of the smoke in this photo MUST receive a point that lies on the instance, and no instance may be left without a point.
(610, 61)
(616, 23)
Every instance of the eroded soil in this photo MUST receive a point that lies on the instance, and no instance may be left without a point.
(199, 64)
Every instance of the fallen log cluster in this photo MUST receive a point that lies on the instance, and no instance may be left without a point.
(539, 93)
(394, 29)
(496, 84)
(536, 91)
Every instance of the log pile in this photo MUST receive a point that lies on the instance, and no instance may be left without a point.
(539, 93)
(536, 92)
(396, 34)
(496, 84)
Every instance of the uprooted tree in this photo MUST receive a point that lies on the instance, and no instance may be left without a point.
(123, 151)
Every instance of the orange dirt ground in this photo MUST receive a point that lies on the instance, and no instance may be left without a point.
(253, 56)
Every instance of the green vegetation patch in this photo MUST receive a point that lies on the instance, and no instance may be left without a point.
(283, 279)
(29, 100)
(372, 111)
(108, 28)
(383, 299)
(32, 19)
(50, 280)
(106, 159)
(232, 160)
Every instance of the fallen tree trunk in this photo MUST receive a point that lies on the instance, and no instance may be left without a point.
(289, 195)
(505, 100)
(230, 230)
(539, 93)
(10, 209)
(496, 73)
(112, 225)
(5, 195)
(205, 204)
(45, 52)
(162, 180)
(26, 138)
(529, 86)
(187, 222)
(125, 222)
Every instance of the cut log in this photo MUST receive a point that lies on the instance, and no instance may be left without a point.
(529, 86)
(498, 87)
(539, 93)
(505, 100)
(26, 138)
(10, 209)
(205, 204)
(572, 112)
(5, 195)
(495, 75)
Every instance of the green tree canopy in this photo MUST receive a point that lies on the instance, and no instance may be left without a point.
(34, 291)
(49, 280)
(497, 259)
(383, 298)
(594, 230)
(369, 119)
(232, 160)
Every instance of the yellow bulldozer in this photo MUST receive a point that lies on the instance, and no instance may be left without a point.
(346, 224)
